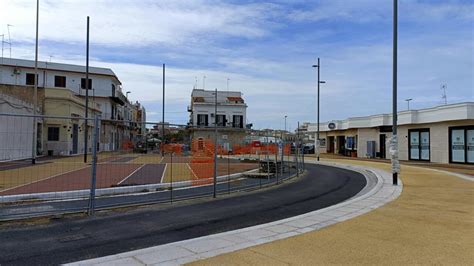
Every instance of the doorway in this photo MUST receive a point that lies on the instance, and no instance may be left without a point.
(75, 136)
(330, 144)
(382, 139)
(341, 142)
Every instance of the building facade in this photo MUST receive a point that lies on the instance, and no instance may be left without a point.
(62, 91)
(230, 118)
(442, 134)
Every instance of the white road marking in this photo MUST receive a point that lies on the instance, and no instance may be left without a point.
(164, 172)
(136, 170)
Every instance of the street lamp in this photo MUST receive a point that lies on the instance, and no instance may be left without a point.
(408, 102)
(394, 142)
(318, 66)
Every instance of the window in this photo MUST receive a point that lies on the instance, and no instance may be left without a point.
(60, 81)
(322, 142)
(238, 121)
(113, 90)
(202, 120)
(221, 121)
(83, 84)
(461, 144)
(419, 144)
(351, 143)
(53, 133)
(30, 79)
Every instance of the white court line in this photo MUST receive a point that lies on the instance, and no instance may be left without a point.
(136, 170)
(164, 172)
(194, 174)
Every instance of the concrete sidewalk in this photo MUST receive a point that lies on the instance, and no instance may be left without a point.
(432, 222)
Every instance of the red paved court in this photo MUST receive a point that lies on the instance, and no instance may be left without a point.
(146, 174)
(108, 175)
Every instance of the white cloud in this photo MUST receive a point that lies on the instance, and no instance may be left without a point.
(135, 23)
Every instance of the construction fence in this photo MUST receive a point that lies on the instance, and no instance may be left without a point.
(53, 165)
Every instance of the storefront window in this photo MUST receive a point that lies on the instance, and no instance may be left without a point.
(470, 146)
(461, 144)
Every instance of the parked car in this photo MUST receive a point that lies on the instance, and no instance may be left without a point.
(308, 148)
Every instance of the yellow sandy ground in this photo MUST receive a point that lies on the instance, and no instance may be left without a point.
(432, 222)
(181, 172)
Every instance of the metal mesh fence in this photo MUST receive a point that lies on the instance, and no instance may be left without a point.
(126, 163)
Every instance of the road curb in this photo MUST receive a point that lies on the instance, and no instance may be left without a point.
(375, 196)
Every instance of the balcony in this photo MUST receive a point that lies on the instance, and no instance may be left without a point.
(118, 97)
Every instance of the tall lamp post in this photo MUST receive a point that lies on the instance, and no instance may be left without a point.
(408, 102)
(215, 146)
(318, 66)
(35, 93)
(87, 87)
(163, 117)
(394, 142)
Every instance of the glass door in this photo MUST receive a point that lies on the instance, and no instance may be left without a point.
(425, 145)
(414, 145)
(457, 146)
(419, 146)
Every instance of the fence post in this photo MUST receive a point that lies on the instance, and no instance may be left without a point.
(171, 177)
(228, 172)
(94, 166)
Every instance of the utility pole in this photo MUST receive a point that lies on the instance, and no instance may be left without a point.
(395, 163)
(86, 129)
(35, 92)
(215, 144)
(163, 117)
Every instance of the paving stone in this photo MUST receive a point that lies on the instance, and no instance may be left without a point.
(165, 254)
(281, 228)
(301, 223)
(203, 245)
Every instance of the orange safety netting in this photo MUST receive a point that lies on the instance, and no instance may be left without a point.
(176, 148)
(127, 145)
(202, 161)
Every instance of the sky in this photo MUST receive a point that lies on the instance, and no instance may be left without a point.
(265, 48)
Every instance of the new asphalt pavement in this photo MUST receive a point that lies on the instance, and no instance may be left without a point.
(72, 239)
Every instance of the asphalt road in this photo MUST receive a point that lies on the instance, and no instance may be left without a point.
(68, 240)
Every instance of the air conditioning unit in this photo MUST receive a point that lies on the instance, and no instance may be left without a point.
(16, 71)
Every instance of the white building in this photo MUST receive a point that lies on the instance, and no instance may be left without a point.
(105, 97)
(442, 134)
(16, 133)
(230, 118)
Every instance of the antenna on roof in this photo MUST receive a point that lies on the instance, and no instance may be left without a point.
(9, 39)
(444, 96)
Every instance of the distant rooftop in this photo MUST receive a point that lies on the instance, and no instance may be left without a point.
(56, 66)
(207, 96)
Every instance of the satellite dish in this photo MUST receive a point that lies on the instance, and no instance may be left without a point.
(331, 125)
